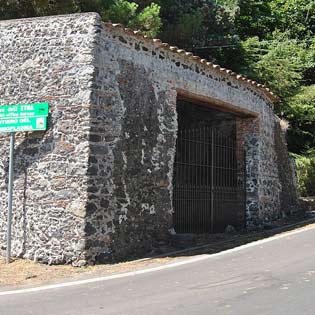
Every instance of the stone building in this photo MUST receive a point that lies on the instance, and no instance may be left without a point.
(142, 138)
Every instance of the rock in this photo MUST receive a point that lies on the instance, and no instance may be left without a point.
(230, 229)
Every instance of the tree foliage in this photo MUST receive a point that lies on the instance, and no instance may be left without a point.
(128, 13)
(279, 63)
(305, 167)
(255, 18)
(295, 16)
(300, 111)
(194, 24)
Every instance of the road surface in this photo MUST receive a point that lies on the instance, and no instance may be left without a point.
(276, 277)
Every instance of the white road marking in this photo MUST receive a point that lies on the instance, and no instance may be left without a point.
(153, 269)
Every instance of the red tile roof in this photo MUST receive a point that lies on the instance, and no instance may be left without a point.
(157, 42)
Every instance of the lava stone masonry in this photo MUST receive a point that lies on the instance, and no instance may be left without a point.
(97, 185)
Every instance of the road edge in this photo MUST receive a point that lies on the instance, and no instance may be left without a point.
(154, 269)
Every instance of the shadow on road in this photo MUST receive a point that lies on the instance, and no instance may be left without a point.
(190, 244)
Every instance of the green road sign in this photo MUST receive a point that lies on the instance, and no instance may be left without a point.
(13, 118)
(24, 110)
(23, 124)
(23, 117)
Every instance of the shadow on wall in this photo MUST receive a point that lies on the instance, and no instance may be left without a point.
(130, 156)
(34, 147)
(287, 175)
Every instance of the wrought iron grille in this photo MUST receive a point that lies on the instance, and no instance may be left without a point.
(208, 184)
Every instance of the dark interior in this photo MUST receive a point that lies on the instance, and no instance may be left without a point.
(208, 194)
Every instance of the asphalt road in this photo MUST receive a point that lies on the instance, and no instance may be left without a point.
(277, 277)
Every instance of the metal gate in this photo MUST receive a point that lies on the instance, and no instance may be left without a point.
(208, 183)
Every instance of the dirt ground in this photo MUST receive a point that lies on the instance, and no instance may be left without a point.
(22, 272)
(25, 272)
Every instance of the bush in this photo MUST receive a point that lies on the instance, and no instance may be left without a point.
(305, 166)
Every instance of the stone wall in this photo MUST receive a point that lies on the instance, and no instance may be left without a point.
(287, 175)
(247, 137)
(143, 82)
(48, 59)
(97, 185)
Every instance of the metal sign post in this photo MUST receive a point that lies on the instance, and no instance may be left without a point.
(15, 118)
(10, 195)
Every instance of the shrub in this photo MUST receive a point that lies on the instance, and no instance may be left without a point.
(305, 166)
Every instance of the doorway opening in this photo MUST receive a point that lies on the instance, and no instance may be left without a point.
(209, 171)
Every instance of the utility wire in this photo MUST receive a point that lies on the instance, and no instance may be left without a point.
(257, 44)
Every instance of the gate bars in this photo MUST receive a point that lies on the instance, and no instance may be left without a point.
(208, 183)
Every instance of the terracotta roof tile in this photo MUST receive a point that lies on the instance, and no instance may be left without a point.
(175, 49)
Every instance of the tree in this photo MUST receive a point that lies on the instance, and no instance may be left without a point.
(120, 11)
(278, 63)
(148, 20)
(295, 16)
(200, 26)
(305, 167)
(299, 110)
(255, 18)
(10, 9)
